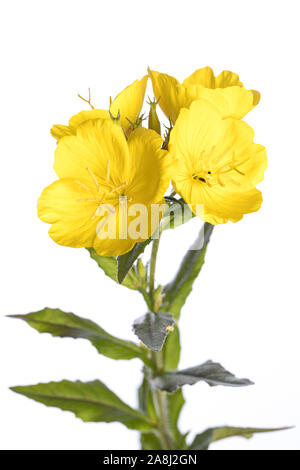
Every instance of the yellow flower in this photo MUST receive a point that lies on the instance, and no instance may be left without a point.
(100, 174)
(129, 103)
(225, 91)
(217, 164)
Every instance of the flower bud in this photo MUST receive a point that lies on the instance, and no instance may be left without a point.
(153, 121)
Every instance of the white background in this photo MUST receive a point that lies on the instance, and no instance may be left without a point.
(244, 309)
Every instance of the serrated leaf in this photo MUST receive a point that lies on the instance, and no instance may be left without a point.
(171, 350)
(152, 329)
(210, 372)
(59, 323)
(125, 262)
(204, 439)
(177, 291)
(90, 401)
(110, 267)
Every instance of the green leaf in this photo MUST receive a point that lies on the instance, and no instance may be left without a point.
(171, 350)
(177, 291)
(90, 401)
(229, 431)
(110, 268)
(149, 441)
(203, 440)
(125, 262)
(153, 328)
(210, 372)
(59, 323)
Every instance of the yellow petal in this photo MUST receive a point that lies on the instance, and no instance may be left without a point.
(256, 97)
(249, 158)
(98, 144)
(203, 85)
(204, 77)
(58, 131)
(150, 167)
(68, 207)
(232, 102)
(216, 160)
(113, 247)
(130, 102)
(83, 116)
(227, 79)
(136, 221)
(196, 130)
(221, 205)
(171, 95)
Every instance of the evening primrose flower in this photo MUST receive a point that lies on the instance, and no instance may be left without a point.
(103, 178)
(128, 104)
(225, 91)
(217, 165)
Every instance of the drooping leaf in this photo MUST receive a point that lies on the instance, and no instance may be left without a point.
(90, 401)
(125, 262)
(171, 350)
(59, 323)
(210, 372)
(152, 329)
(110, 268)
(204, 439)
(177, 291)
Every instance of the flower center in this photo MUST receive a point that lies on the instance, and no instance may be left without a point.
(211, 173)
(202, 177)
(104, 192)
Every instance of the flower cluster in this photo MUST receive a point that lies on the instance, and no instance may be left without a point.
(112, 171)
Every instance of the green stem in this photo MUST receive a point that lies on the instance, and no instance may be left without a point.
(163, 428)
(153, 258)
(157, 359)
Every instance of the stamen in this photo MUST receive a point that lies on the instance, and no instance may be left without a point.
(210, 156)
(108, 171)
(84, 186)
(232, 181)
(117, 188)
(87, 200)
(94, 178)
(219, 181)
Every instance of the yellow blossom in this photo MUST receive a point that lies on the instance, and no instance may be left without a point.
(225, 91)
(99, 172)
(217, 164)
(129, 103)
